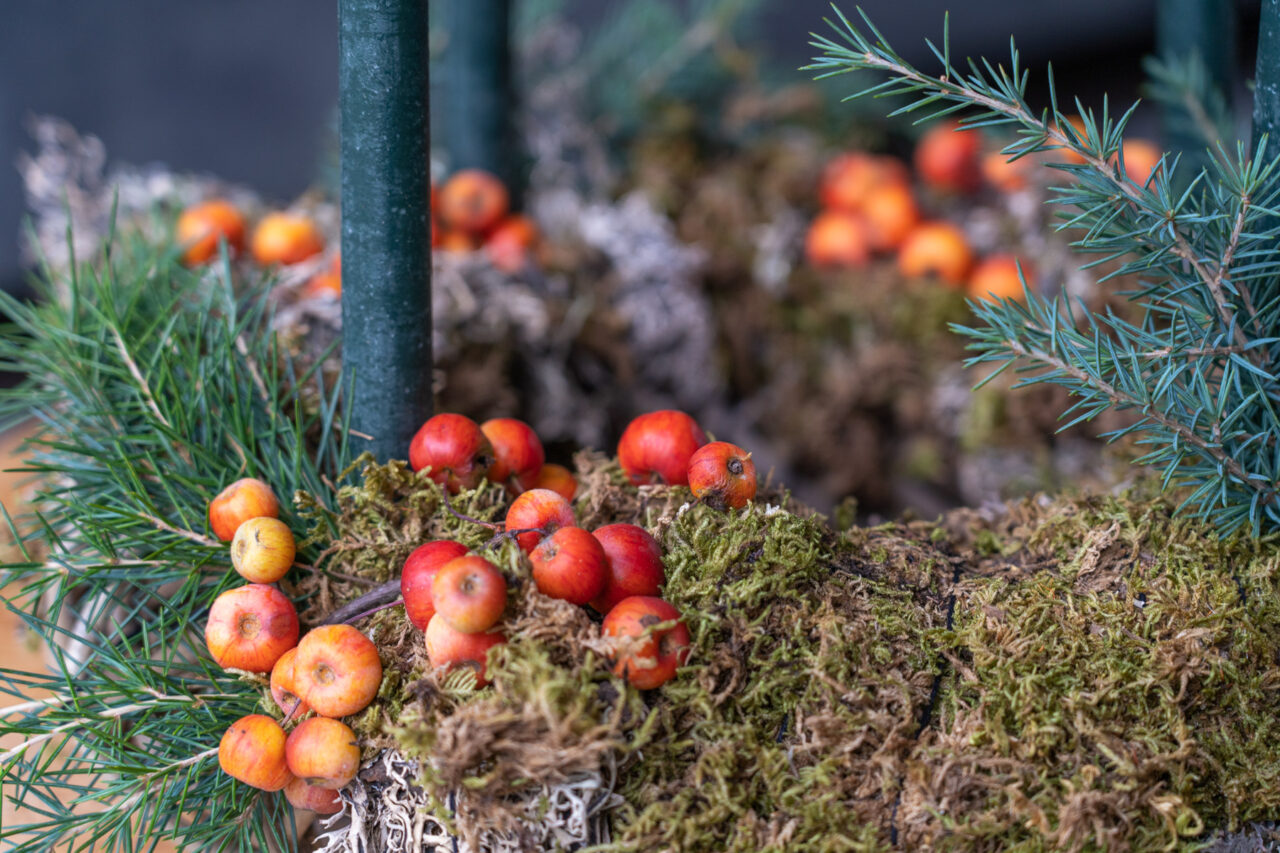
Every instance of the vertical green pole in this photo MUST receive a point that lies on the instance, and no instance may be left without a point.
(1205, 28)
(386, 255)
(473, 93)
(1266, 96)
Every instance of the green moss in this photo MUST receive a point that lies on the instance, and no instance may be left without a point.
(1108, 678)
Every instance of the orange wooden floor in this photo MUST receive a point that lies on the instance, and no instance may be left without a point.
(19, 648)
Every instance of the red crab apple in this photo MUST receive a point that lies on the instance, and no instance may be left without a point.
(570, 564)
(250, 627)
(455, 450)
(470, 594)
(239, 502)
(948, 157)
(518, 454)
(252, 750)
(284, 687)
(723, 475)
(303, 795)
(324, 752)
(558, 479)
(419, 571)
(447, 646)
(634, 564)
(656, 447)
(645, 657)
(538, 508)
(337, 670)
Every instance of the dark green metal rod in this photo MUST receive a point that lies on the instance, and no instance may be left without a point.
(1266, 97)
(473, 87)
(1205, 28)
(386, 255)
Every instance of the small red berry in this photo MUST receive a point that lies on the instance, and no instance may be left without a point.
(538, 509)
(723, 475)
(455, 450)
(570, 564)
(419, 570)
(645, 657)
(634, 564)
(518, 454)
(656, 447)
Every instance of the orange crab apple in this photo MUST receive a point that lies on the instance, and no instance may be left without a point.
(252, 750)
(303, 795)
(263, 549)
(323, 751)
(947, 157)
(558, 479)
(1141, 159)
(570, 564)
(419, 571)
(469, 593)
(1008, 176)
(517, 451)
(510, 243)
(850, 176)
(285, 238)
(634, 564)
(723, 475)
(997, 277)
(202, 225)
(936, 248)
(656, 447)
(237, 503)
(250, 627)
(449, 647)
(646, 657)
(455, 449)
(538, 509)
(473, 201)
(337, 671)
(837, 238)
(890, 212)
(284, 687)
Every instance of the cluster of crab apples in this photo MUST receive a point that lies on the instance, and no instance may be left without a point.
(333, 672)
(456, 597)
(870, 206)
(470, 212)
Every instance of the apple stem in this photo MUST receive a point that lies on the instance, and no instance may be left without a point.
(378, 598)
(512, 534)
(444, 490)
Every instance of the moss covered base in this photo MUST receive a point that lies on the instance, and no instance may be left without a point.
(1059, 674)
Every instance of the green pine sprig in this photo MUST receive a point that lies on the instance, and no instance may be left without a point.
(153, 387)
(1198, 364)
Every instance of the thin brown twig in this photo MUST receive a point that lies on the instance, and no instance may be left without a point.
(188, 534)
(145, 389)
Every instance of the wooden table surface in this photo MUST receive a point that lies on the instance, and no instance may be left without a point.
(19, 648)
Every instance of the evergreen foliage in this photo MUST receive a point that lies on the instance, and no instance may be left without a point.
(153, 387)
(1198, 365)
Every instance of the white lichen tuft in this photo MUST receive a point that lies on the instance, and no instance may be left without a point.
(384, 809)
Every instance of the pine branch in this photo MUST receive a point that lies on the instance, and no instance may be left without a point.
(153, 387)
(1200, 361)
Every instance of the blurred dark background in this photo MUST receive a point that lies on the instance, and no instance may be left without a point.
(246, 90)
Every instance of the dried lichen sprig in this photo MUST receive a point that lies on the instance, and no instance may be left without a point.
(1200, 363)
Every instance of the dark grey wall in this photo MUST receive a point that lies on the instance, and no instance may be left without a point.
(245, 88)
(239, 88)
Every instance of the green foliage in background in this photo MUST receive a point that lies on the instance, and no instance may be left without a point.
(1198, 367)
